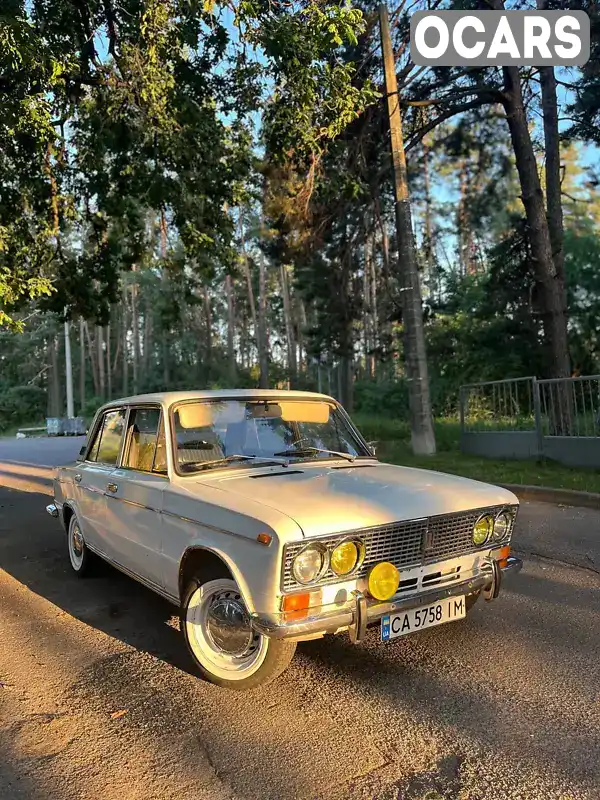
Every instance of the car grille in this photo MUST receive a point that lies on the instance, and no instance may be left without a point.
(411, 543)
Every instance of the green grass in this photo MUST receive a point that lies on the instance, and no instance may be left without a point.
(393, 437)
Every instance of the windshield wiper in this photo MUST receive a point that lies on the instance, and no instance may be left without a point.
(307, 450)
(200, 465)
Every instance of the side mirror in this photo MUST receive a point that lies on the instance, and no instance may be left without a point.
(373, 447)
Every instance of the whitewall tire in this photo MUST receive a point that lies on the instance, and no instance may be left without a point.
(80, 557)
(225, 648)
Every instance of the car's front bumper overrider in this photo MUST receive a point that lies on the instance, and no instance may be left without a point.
(52, 509)
(361, 611)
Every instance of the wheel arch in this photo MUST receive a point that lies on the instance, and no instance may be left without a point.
(67, 512)
(206, 564)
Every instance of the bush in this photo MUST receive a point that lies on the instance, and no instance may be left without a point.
(90, 407)
(21, 405)
(385, 397)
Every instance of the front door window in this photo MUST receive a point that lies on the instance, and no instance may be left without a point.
(107, 444)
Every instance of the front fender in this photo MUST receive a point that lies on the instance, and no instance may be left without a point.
(255, 567)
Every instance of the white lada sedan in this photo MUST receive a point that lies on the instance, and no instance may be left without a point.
(266, 518)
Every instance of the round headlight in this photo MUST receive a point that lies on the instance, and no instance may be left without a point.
(344, 557)
(383, 581)
(483, 529)
(309, 564)
(502, 525)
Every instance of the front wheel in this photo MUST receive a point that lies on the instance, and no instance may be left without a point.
(224, 646)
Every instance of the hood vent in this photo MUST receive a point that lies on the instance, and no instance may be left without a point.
(277, 474)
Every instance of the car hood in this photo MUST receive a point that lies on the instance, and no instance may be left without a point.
(330, 498)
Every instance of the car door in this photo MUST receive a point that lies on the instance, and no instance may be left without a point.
(135, 498)
(93, 477)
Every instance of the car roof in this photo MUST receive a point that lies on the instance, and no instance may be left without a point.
(168, 398)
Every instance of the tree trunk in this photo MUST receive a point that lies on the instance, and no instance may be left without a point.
(428, 238)
(124, 330)
(462, 222)
(422, 433)
(147, 338)
(553, 181)
(263, 339)
(93, 360)
(135, 330)
(54, 409)
(230, 331)
(69, 371)
(208, 328)
(289, 328)
(374, 307)
(109, 381)
(164, 344)
(248, 276)
(549, 282)
(367, 310)
(302, 362)
(81, 365)
(101, 361)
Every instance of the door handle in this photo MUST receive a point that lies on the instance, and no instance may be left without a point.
(112, 487)
(78, 478)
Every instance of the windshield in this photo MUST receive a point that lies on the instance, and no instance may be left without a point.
(252, 432)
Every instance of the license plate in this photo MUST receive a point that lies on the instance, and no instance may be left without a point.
(417, 619)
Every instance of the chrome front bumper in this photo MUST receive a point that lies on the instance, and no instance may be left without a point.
(363, 611)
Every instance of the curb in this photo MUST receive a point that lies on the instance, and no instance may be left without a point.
(544, 494)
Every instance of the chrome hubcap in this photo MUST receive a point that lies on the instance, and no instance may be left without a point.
(77, 542)
(228, 624)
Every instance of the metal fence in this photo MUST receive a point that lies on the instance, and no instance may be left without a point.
(557, 418)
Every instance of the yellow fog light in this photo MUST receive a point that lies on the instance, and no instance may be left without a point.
(483, 529)
(344, 558)
(383, 581)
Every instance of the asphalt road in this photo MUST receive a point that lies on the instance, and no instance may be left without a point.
(52, 451)
(505, 704)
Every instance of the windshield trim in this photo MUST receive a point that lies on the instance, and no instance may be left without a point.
(258, 398)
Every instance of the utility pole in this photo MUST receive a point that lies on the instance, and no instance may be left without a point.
(69, 372)
(415, 356)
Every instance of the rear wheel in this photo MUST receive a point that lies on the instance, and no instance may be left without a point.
(225, 648)
(80, 557)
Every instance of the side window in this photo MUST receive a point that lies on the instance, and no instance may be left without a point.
(146, 441)
(105, 449)
(93, 454)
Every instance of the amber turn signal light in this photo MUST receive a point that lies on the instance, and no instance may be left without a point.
(296, 606)
(296, 602)
(502, 556)
(264, 538)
